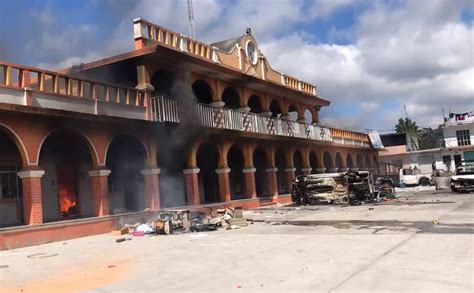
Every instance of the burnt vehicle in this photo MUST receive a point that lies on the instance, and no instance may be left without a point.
(463, 181)
(332, 188)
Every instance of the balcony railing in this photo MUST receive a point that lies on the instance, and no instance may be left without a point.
(165, 109)
(168, 38)
(49, 82)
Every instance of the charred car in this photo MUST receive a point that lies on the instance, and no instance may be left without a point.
(336, 188)
(463, 181)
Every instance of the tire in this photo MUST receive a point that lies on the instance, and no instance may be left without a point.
(424, 181)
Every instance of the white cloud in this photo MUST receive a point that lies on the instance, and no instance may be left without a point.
(411, 52)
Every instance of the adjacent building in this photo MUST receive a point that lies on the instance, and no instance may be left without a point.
(403, 151)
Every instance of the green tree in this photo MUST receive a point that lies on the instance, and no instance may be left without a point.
(430, 138)
(406, 125)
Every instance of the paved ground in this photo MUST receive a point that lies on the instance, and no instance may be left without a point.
(387, 247)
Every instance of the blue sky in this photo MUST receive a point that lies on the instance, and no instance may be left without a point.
(369, 58)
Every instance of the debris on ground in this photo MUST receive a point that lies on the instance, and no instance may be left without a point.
(183, 221)
(4, 266)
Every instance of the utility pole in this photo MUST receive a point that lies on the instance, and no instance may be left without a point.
(191, 19)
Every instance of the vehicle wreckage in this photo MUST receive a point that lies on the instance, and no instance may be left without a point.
(336, 188)
(463, 181)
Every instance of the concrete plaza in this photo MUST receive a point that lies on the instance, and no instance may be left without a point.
(393, 246)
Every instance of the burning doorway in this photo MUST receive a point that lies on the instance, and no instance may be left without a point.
(67, 190)
(66, 187)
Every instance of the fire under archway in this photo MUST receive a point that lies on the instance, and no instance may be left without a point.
(66, 185)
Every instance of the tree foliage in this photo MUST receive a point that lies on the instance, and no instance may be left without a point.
(406, 126)
(427, 137)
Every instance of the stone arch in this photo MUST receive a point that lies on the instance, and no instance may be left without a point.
(66, 158)
(255, 104)
(135, 139)
(339, 162)
(328, 162)
(313, 162)
(308, 116)
(260, 163)
(11, 162)
(280, 164)
(349, 161)
(276, 108)
(235, 161)
(368, 162)
(203, 92)
(298, 162)
(293, 112)
(359, 161)
(18, 142)
(207, 160)
(88, 143)
(231, 98)
(126, 157)
(163, 82)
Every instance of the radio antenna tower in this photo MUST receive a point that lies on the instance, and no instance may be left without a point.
(191, 19)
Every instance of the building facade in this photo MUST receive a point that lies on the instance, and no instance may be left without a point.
(457, 144)
(175, 122)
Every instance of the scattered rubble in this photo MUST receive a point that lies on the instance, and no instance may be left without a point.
(183, 221)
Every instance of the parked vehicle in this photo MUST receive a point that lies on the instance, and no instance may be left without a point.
(442, 180)
(345, 187)
(463, 181)
(410, 177)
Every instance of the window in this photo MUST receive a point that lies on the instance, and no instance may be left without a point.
(463, 137)
(9, 182)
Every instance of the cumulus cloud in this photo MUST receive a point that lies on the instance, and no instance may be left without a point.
(418, 56)
(416, 53)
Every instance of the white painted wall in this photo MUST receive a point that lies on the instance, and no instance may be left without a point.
(449, 133)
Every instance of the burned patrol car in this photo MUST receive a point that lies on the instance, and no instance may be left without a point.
(336, 188)
(463, 181)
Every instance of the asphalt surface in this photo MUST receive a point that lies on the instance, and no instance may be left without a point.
(422, 241)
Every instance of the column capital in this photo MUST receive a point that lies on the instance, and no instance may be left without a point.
(290, 169)
(320, 170)
(191, 171)
(267, 113)
(301, 120)
(151, 171)
(100, 172)
(219, 104)
(31, 174)
(244, 109)
(343, 169)
(249, 170)
(271, 170)
(222, 170)
(307, 169)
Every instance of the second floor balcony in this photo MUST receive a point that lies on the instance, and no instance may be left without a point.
(33, 87)
(166, 109)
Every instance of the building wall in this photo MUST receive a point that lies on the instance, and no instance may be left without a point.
(449, 133)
